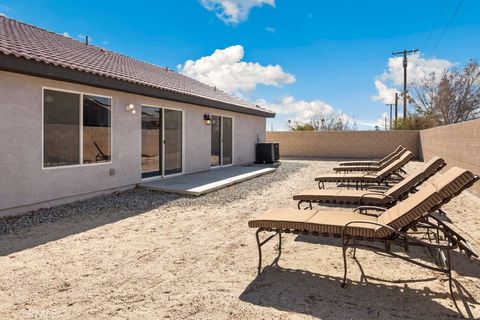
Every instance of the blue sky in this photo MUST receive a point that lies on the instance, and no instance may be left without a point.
(296, 57)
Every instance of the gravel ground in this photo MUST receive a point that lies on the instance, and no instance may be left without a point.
(150, 255)
(142, 200)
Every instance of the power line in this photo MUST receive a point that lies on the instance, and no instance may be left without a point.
(446, 27)
(443, 32)
(436, 22)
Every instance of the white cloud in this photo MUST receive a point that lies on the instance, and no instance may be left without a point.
(4, 9)
(391, 81)
(66, 34)
(226, 70)
(417, 69)
(289, 108)
(234, 11)
(270, 29)
(371, 124)
(297, 110)
(381, 121)
(384, 93)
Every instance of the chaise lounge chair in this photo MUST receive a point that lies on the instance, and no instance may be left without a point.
(371, 168)
(361, 229)
(101, 156)
(366, 178)
(373, 162)
(373, 195)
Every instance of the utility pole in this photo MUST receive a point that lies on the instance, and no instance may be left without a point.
(404, 53)
(396, 108)
(391, 105)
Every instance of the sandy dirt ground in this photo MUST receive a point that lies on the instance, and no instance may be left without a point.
(199, 262)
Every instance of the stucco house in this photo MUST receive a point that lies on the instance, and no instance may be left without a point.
(78, 120)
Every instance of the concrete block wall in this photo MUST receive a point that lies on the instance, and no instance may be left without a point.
(347, 144)
(458, 144)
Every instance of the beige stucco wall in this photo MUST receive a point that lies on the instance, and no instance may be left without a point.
(25, 185)
(348, 144)
(458, 144)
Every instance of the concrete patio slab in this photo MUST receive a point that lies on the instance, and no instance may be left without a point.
(200, 183)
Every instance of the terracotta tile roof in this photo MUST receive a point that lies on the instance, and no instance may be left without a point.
(26, 41)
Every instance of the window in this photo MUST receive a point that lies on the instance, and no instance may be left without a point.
(61, 129)
(96, 129)
(77, 129)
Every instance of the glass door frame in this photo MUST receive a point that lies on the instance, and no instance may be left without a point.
(162, 173)
(221, 165)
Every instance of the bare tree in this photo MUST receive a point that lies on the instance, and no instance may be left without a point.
(325, 122)
(452, 97)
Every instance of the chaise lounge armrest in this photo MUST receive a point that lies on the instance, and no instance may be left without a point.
(364, 210)
(379, 188)
(376, 194)
(345, 227)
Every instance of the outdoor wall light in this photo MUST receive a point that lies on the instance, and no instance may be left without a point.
(130, 108)
(207, 119)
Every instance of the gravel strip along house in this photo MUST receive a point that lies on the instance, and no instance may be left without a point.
(78, 120)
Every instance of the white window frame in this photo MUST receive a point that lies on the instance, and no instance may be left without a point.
(162, 173)
(221, 165)
(81, 94)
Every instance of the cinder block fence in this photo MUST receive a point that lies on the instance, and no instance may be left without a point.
(458, 144)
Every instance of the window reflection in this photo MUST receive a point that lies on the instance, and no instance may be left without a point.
(96, 129)
(61, 128)
(173, 141)
(151, 141)
(216, 143)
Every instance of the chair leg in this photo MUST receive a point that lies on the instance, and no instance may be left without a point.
(344, 250)
(259, 251)
(279, 245)
(449, 274)
(307, 207)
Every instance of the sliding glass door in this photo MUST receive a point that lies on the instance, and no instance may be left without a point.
(216, 142)
(162, 141)
(227, 141)
(151, 142)
(173, 141)
(221, 141)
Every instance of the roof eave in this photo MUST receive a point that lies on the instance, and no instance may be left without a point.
(12, 63)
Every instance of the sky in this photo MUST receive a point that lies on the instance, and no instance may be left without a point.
(297, 58)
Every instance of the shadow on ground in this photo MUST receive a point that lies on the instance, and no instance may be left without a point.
(42, 226)
(461, 263)
(321, 296)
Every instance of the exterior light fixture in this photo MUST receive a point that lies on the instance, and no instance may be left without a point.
(130, 108)
(207, 119)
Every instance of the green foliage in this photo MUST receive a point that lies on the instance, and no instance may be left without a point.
(415, 122)
(324, 122)
(301, 127)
